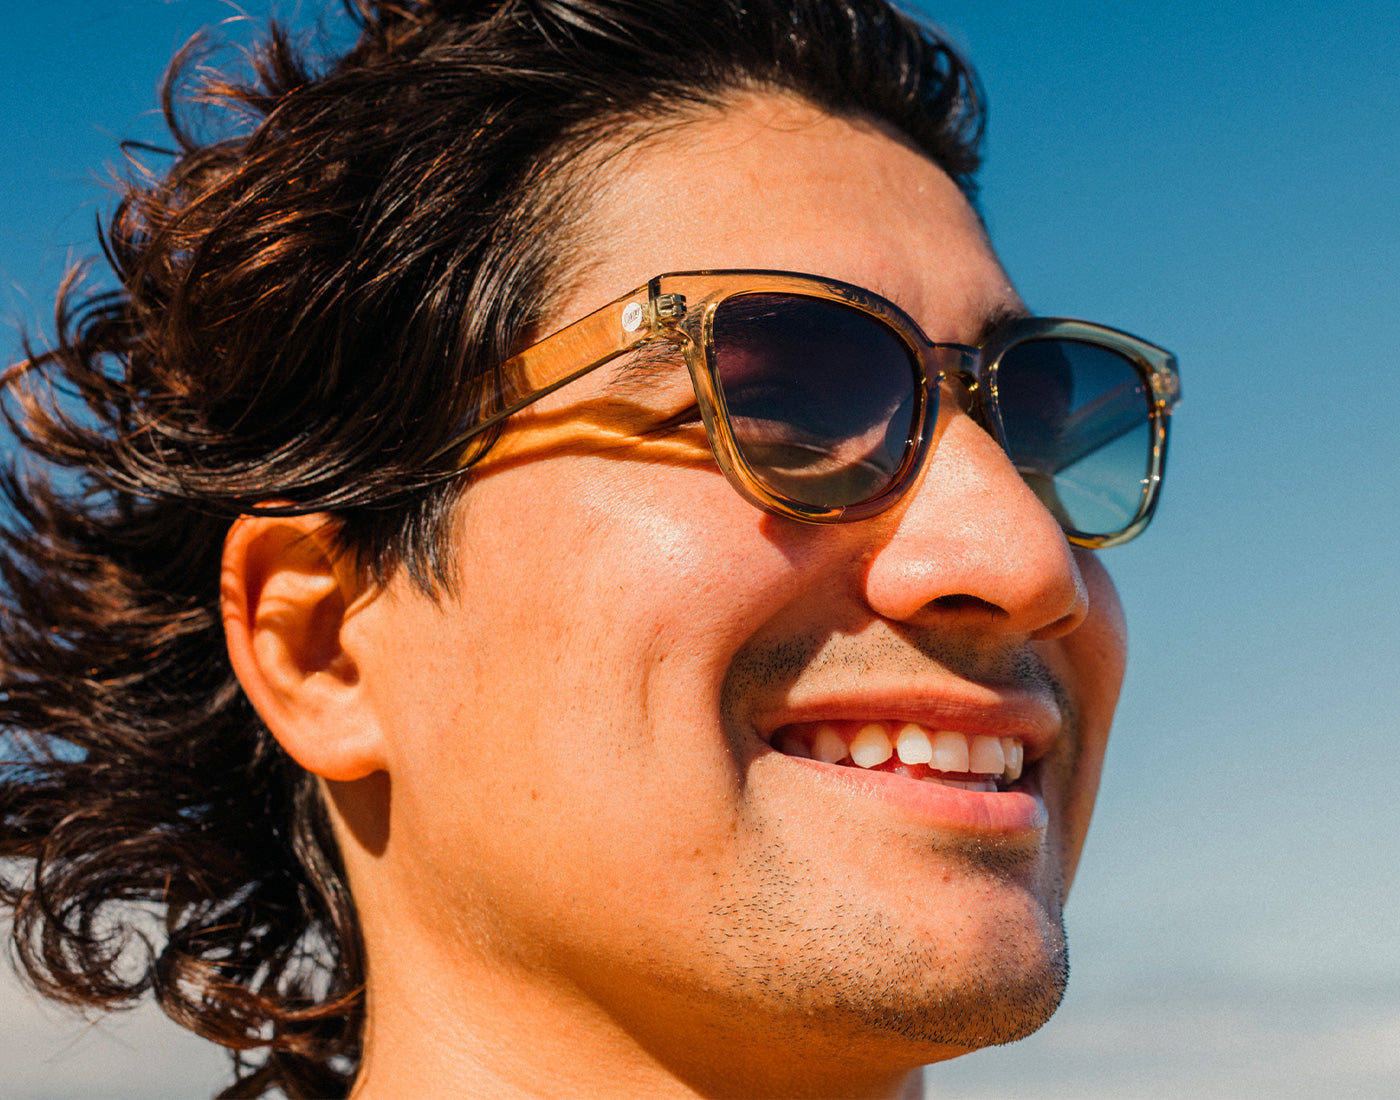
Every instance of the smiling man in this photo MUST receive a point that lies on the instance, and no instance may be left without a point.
(589, 583)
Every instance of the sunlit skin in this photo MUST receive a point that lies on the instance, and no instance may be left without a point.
(580, 868)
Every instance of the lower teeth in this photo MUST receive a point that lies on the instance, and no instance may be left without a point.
(985, 785)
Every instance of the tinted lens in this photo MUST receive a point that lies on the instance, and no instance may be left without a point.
(821, 396)
(1078, 426)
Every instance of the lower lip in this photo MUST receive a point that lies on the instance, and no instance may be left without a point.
(1020, 811)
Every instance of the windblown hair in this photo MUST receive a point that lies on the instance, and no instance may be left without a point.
(307, 305)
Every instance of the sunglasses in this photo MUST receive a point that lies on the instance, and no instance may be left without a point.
(819, 398)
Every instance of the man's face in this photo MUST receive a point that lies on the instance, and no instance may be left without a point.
(592, 812)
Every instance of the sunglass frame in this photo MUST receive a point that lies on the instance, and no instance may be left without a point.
(679, 308)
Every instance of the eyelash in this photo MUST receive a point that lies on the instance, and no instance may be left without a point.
(688, 418)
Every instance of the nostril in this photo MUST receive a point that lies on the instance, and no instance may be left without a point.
(959, 601)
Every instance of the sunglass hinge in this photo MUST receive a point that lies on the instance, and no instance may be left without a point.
(1166, 387)
(668, 307)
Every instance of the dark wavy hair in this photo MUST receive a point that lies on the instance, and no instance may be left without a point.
(310, 299)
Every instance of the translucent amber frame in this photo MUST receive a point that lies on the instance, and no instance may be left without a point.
(679, 308)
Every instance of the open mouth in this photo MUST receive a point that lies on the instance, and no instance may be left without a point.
(972, 762)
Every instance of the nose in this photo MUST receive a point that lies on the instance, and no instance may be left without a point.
(971, 547)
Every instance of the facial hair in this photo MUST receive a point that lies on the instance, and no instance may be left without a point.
(849, 964)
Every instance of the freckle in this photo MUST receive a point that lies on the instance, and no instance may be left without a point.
(534, 795)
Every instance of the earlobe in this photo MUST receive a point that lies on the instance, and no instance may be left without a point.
(288, 594)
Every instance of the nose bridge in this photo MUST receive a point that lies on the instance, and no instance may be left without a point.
(971, 534)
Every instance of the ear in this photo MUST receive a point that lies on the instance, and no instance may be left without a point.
(288, 594)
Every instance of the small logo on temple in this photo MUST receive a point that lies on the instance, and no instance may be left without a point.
(631, 317)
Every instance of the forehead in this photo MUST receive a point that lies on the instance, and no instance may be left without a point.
(772, 182)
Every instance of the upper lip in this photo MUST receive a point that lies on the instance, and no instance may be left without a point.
(1033, 718)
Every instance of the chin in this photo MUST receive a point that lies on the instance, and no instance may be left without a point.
(1001, 986)
(985, 964)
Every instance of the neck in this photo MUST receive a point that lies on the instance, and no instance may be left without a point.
(453, 1034)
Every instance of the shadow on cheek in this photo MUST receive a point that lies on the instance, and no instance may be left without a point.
(363, 805)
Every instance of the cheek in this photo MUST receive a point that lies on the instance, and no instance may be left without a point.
(1090, 662)
(1099, 647)
(632, 552)
(574, 730)
(591, 632)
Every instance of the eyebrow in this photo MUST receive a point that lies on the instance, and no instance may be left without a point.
(992, 320)
(998, 317)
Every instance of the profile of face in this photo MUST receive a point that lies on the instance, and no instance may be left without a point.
(582, 796)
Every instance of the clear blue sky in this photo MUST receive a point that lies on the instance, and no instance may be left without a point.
(1225, 180)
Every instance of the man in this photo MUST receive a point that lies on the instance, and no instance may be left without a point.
(653, 547)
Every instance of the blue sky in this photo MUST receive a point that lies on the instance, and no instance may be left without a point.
(1223, 179)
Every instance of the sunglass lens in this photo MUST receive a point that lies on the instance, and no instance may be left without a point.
(821, 396)
(1077, 418)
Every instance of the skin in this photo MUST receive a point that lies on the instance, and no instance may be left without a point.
(580, 868)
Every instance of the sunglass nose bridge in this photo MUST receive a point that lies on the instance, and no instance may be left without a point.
(966, 390)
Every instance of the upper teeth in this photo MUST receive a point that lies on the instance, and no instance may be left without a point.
(870, 744)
